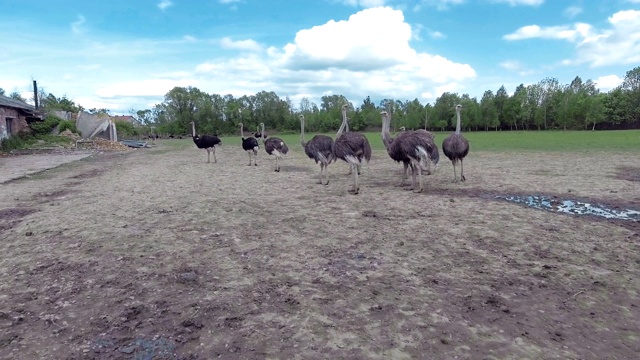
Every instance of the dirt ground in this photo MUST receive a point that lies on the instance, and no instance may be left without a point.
(155, 254)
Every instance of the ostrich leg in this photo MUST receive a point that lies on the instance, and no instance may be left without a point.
(413, 178)
(356, 185)
(255, 158)
(462, 178)
(213, 150)
(208, 156)
(419, 169)
(326, 173)
(249, 152)
(455, 176)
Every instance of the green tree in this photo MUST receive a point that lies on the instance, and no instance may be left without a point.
(489, 111)
(631, 86)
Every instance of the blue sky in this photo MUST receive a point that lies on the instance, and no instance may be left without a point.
(124, 55)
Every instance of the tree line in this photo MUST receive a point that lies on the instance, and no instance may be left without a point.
(545, 105)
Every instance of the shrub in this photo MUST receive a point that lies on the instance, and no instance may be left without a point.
(17, 141)
(125, 129)
(44, 127)
(67, 125)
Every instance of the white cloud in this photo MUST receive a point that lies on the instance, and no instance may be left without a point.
(616, 45)
(78, 26)
(164, 4)
(368, 54)
(354, 57)
(368, 39)
(578, 30)
(364, 3)
(438, 4)
(521, 2)
(608, 82)
(572, 11)
(437, 35)
(228, 1)
(147, 87)
(517, 67)
(250, 45)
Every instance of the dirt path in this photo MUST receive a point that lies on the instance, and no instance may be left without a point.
(15, 167)
(155, 254)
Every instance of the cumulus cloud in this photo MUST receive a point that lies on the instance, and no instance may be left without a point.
(164, 4)
(250, 45)
(617, 44)
(368, 54)
(608, 82)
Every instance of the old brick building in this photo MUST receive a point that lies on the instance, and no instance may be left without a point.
(15, 116)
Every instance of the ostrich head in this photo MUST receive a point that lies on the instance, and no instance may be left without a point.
(458, 107)
(402, 128)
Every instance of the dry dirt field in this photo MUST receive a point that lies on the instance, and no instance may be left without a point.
(155, 254)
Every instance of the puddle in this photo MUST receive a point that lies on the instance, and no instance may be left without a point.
(571, 207)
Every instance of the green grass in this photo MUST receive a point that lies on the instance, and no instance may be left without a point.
(623, 140)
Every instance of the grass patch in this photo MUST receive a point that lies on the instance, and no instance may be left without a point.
(622, 140)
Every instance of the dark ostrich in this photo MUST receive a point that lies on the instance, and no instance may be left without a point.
(274, 146)
(412, 148)
(456, 147)
(259, 134)
(207, 142)
(250, 145)
(353, 148)
(320, 149)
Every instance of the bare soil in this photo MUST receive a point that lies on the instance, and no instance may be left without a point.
(155, 254)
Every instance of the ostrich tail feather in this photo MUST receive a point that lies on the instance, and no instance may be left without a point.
(352, 160)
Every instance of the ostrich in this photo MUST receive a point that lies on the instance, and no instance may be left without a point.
(274, 146)
(320, 149)
(208, 142)
(259, 134)
(250, 145)
(353, 148)
(434, 155)
(410, 147)
(456, 147)
(345, 128)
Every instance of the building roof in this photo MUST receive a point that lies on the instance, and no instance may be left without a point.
(17, 104)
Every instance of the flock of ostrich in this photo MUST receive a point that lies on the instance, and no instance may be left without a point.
(416, 149)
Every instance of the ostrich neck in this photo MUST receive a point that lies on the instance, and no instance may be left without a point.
(242, 132)
(343, 125)
(302, 142)
(458, 122)
(263, 133)
(386, 138)
(193, 130)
